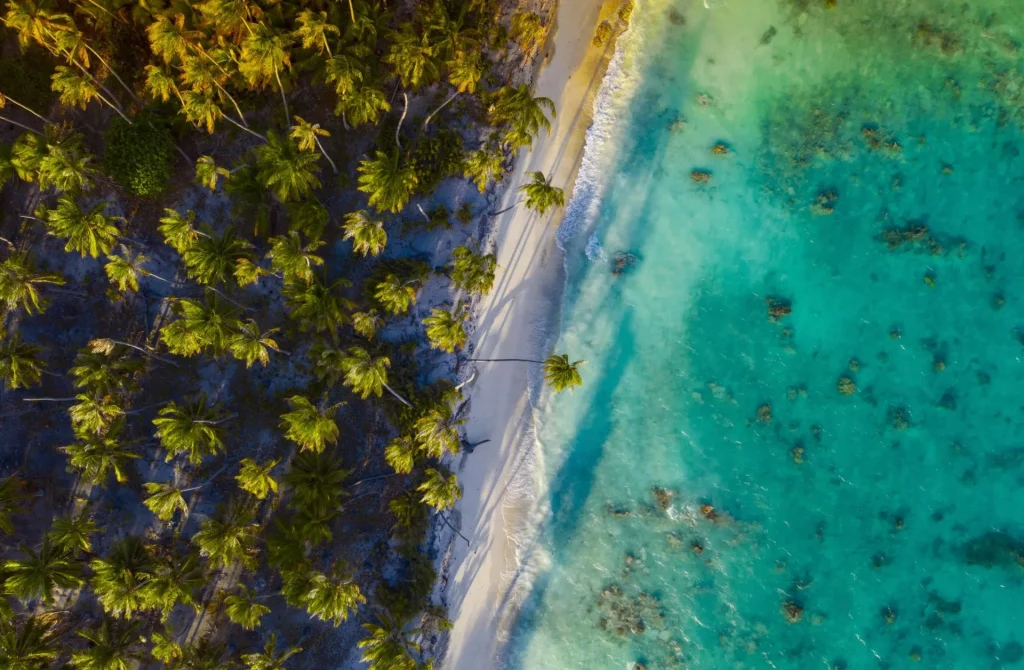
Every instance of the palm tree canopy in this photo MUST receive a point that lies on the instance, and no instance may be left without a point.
(211, 260)
(255, 479)
(72, 534)
(192, 429)
(413, 57)
(309, 426)
(20, 364)
(119, 579)
(473, 272)
(243, 608)
(20, 284)
(294, 258)
(30, 646)
(113, 646)
(287, 171)
(251, 345)
(540, 195)
(316, 305)
(388, 183)
(230, 537)
(364, 373)
(561, 374)
(198, 326)
(270, 659)
(445, 328)
(12, 497)
(38, 574)
(394, 295)
(96, 457)
(164, 500)
(440, 491)
(90, 233)
(179, 230)
(367, 235)
(316, 481)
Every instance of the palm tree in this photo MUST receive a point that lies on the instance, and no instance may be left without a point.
(208, 172)
(445, 328)
(6, 164)
(255, 479)
(287, 171)
(164, 500)
(309, 426)
(89, 233)
(244, 609)
(389, 646)
(249, 344)
(78, 90)
(472, 272)
(294, 259)
(199, 325)
(179, 230)
(524, 114)
(440, 491)
(366, 374)
(410, 517)
(484, 165)
(264, 54)
(317, 482)
(438, 430)
(401, 455)
(230, 538)
(108, 347)
(332, 597)
(67, 166)
(368, 236)
(529, 31)
(102, 375)
(20, 365)
(193, 429)
(558, 371)
(413, 57)
(71, 534)
(394, 295)
(363, 104)
(309, 217)
(176, 580)
(317, 306)
(120, 578)
(12, 497)
(34, 21)
(31, 646)
(541, 195)
(313, 29)
(211, 260)
(388, 183)
(20, 284)
(271, 659)
(112, 646)
(308, 136)
(96, 456)
(123, 269)
(94, 415)
(367, 323)
(37, 575)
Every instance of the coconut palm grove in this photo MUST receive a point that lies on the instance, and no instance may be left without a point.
(229, 355)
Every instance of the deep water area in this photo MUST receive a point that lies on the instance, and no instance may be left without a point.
(795, 267)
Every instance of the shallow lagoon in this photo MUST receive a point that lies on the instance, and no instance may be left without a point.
(821, 340)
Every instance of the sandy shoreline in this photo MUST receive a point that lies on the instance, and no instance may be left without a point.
(516, 320)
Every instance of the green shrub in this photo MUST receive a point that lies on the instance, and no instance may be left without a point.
(26, 78)
(603, 34)
(138, 156)
(437, 157)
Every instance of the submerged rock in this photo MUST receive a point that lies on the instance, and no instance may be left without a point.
(662, 496)
(993, 549)
(846, 385)
(792, 611)
(825, 203)
(700, 177)
(764, 413)
(778, 308)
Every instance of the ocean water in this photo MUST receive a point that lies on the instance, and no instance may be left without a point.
(800, 443)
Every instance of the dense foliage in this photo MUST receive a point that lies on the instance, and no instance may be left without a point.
(245, 382)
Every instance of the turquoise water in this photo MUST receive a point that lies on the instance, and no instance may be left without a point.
(871, 195)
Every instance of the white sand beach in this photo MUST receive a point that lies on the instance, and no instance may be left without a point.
(514, 321)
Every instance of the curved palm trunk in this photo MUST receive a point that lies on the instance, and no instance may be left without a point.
(503, 360)
(245, 128)
(401, 120)
(49, 399)
(284, 100)
(146, 352)
(27, 109)
(400, 398)
(352, 10)
(443, 105)
(512, 206)
(333, 166)
(113, 72)
(20, 125)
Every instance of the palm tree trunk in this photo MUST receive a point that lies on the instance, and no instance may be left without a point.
(333, 166)
(344, 120)
(284, 100)
(20, 125)
(27, 109)
(352, 10)
(502, 360)
(234, 103)
(48, 399)
(512, 206)
(443, 105)
(399, 128)
(400, 398)
(113, 72)
(245, 128)
(210, 479)
(146, 352)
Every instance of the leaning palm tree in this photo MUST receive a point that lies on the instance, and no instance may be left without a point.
(30, 646)
(438, 430)
(440, 491)
(484, 165)
(244, 609)
(67, 166)
(559, 372)
(193, 429)
(541, 195)
(388, 183)
(313, 30)
(230, 537)
(211, 260)
(252, 345)
(332, 597)
(317, 306)
(164, 500)
(179, 230)
(521, 112)
(286, 171)
(97, 457)
(270, 658)
(389, 645)
(106, 375)
(368, 236)
(12, 501)
(176, 580)
(310, 426)
(293, 258)
(401, 455)
(529, 31)
(123, 270)
(38, 574)
(471, 272)
(208, 173)
(363, 104)
(394, 295)
(198, 326)
(367, 323)
(72, 533)
(90, 233)
(308, 137)
(113, 645)
(367, 375)
(20, 284)
(119, 578)
(94, 414)
(413, 57)
(446, 329)
(317, 482)
(255, 479)
(265, 53)
(20, 364)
